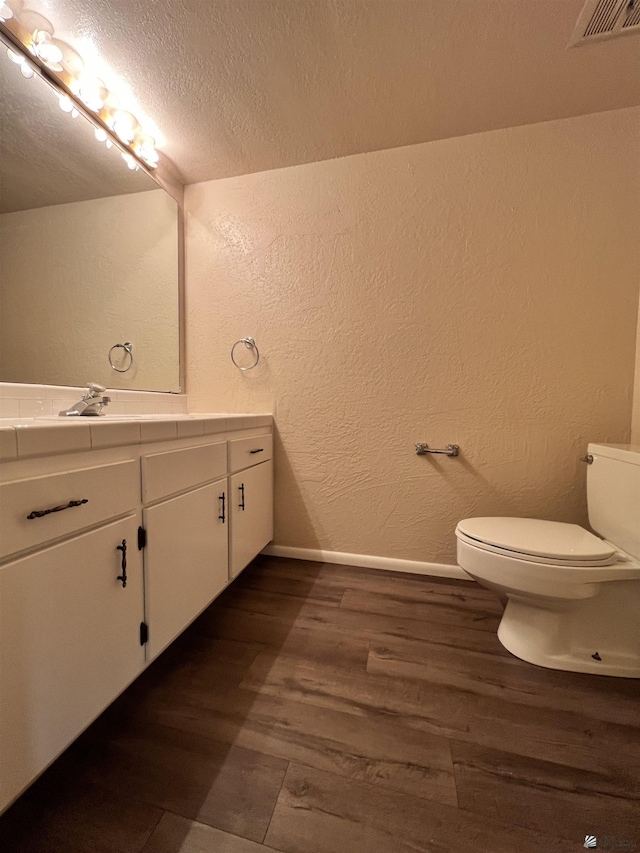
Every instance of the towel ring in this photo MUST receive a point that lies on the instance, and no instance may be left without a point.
(128, 348)
(250, 344)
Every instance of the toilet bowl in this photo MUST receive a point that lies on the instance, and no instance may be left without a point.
(573, 598)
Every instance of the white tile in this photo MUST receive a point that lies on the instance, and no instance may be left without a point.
(237, 422)
(189, 428)
(116, 408)
(149, 404)
(213, 425)
(35, 408)
(259, 420)
(104, 434)
(164, 404)
(8, 444)
(9, 389)
(9, 408)
(33, 392)
(158, 431)
(131, 407)
(41, 440)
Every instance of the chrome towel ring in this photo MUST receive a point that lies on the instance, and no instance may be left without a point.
(128, 348)
(250, 344)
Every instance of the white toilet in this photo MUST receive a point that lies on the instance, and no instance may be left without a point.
(573, 598)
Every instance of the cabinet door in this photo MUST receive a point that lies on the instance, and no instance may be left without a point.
(69, 643)
(185, 560)
(251, 514)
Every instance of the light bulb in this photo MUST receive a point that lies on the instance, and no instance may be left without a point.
(49, 53)
(129, 160)
(18, 58)
(5, 12)
(109, 143)
(26, 70)
(74, 113)
(100, 134)
(124, 126)
(147, 151)
(66, 104)
(90, 93)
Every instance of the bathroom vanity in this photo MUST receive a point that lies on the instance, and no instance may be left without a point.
(115, 533)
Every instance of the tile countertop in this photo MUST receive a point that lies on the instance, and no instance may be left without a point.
(22, 438)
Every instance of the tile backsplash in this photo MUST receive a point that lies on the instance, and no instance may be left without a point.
(34, 401)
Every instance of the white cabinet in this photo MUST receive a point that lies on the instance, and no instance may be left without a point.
(72, 636)
(251, 515)
(186, 559)
(69, 644)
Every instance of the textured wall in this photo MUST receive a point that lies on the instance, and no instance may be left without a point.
(480, 290)
(77, 278)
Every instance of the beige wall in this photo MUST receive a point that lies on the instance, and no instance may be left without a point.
(480, 290)
(77, 278)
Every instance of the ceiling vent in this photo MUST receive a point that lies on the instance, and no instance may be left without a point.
(605, 19)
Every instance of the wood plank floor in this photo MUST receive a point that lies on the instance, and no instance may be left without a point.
(325, 709)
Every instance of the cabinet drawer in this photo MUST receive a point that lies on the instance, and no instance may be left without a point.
(249, 451)
(176, 471)
(107, 491)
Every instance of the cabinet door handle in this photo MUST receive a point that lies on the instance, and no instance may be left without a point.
(38, 513)
(241, 490)
(123, 576)
(222, 517)
(259, 450)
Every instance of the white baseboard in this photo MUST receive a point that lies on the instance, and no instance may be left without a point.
(438, 570)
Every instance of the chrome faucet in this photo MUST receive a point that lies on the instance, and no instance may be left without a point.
(91, 404)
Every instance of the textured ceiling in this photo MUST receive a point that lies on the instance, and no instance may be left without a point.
(239, 86)
(47, 157)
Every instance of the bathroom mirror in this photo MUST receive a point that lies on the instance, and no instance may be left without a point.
(88, 252)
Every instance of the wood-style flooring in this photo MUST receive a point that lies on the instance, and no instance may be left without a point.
(325, 709)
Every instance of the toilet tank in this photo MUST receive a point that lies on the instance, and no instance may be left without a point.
(613, 494)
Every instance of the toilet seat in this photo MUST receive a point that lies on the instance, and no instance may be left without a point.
(537, 541)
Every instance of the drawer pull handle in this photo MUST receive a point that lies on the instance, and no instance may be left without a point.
(123, 576)
(241, 490)
(38, 513)
(222, 517)
(259, 450)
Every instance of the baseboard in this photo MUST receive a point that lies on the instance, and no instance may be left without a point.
(438, 570)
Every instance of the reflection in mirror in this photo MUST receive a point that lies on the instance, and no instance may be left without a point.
(88, 252)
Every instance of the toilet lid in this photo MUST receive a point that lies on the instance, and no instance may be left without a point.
(538, 538)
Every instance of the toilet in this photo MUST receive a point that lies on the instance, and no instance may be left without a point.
(573, 598)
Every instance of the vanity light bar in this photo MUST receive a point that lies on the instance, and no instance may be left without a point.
(61, 66)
